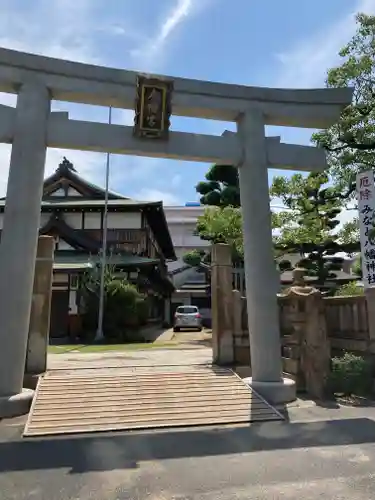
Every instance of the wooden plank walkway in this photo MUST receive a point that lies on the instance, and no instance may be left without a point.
(84, 401)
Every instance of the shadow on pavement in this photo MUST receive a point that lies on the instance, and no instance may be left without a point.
(118, 451)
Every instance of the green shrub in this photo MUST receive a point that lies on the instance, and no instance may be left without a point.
(193, 258)
(350, 289)
(350, 375)
(142, 311)
(125, 309)
(357, 266)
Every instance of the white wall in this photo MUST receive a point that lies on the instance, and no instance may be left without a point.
(59, 192)
(115, 220)
(182, 277)
(74, 219)
(128, 220)
(183, 235)
(182, 222)
(43, 219)
(73, 309)
(73, 192)
(63, 245)
(179, 214)
(92, 220)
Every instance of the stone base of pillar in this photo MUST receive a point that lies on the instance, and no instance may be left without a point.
(30, 381)
(17, 404)
(275, 393)
(224, 355)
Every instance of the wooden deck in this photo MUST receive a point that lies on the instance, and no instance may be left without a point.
(124, 399)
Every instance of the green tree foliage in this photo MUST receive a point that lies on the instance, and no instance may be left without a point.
(357, 266)
(351, 375)
(349, 289)
(349, 232)
(285, 265)
(221, 187)
(222, 225)
(125, 308)
(308, 226)
(194, 258)
(351, 141)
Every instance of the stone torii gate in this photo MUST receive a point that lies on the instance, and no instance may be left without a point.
(31, 127)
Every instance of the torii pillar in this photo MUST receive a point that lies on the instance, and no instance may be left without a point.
(260, 275)
(20, 238)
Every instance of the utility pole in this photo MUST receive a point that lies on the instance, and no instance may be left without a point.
(99, 332)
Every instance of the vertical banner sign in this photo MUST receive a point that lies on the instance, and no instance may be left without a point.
(366, 212)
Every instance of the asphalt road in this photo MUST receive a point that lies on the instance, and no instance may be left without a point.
(331, 458)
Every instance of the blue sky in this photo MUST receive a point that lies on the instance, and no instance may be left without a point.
(288, 43)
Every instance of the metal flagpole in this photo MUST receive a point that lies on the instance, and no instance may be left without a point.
(99, 331)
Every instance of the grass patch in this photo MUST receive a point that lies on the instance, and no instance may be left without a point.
(92, 348)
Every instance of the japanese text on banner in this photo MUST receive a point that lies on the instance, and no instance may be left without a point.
(366, 212)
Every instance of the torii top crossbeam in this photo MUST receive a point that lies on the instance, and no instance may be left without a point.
(83, 83)
(89, 84)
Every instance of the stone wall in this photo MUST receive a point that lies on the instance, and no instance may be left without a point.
(342, 324)
(313, 328)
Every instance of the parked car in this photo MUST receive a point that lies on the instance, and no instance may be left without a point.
(187, 317)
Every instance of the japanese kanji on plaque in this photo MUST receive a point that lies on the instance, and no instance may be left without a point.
(152, 107)
(366, 212)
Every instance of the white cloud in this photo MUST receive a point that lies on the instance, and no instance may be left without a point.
(147, 194)
(64, 33)
(70, 30)
(306, 64)
(150, 55)
(124, 30)
(176, 181)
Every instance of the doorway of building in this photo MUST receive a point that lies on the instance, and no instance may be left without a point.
(59, 322)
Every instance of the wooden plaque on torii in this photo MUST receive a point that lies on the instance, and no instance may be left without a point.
(152, 107)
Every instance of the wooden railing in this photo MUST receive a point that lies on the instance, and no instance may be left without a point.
(122, 239)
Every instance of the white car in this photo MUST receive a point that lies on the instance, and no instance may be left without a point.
(187, 317)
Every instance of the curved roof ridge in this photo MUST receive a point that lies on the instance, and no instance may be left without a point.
(66, 170)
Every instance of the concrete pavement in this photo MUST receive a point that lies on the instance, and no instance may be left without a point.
(188, 355)
(322, 454)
